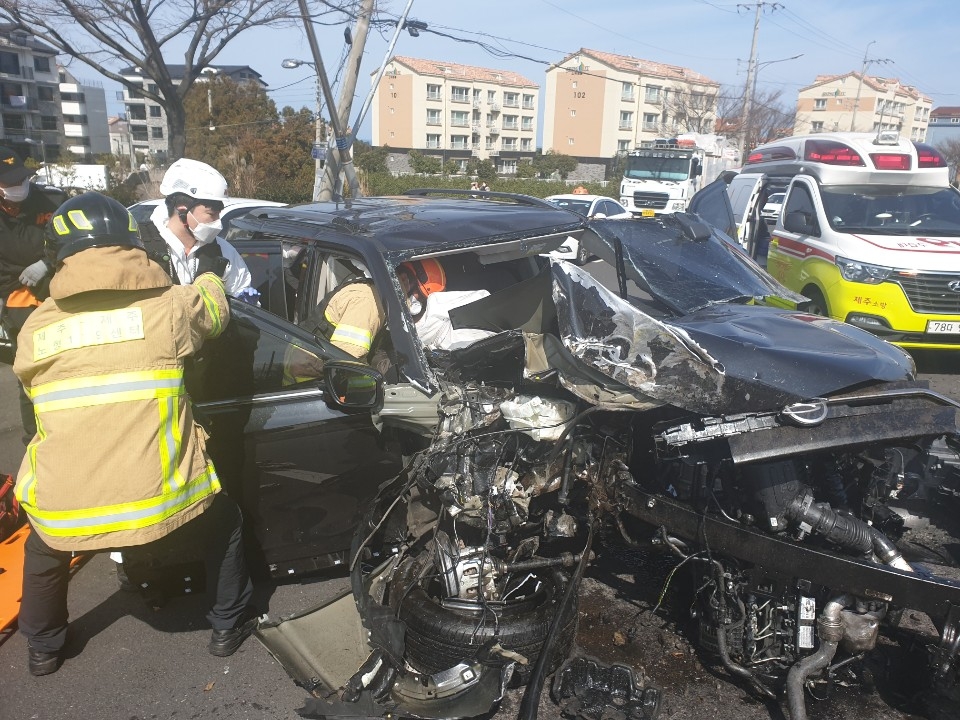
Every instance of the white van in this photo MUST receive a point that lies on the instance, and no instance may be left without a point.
(869, 231)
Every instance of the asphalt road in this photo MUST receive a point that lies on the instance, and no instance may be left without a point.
(125, 660)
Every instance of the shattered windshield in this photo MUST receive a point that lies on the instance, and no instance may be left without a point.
(892, 209)
(682, 273)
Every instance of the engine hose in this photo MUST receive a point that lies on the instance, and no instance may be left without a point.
(830, 632)
(841, 529)
(564, 559)
(732, 667)
(887, 551)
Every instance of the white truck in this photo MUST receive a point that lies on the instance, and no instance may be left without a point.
(662, 175)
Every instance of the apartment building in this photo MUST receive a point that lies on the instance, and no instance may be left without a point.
(598, 104)
(29, 95)
(944, 125)
(863, 103)
(456, 112)
(148, 120)
(83, 104)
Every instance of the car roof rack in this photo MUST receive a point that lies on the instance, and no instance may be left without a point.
(482, 194)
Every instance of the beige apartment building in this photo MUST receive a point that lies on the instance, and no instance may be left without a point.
(456, 112)
(598, 104)
(863, 103)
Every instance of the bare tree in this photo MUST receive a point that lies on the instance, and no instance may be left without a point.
(692, 111)
(951, 152)
(769, 119)
(108, 35)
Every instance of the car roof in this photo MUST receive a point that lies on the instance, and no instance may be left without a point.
(228, 202)
(418, 221)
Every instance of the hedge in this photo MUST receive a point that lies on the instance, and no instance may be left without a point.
(387, 184)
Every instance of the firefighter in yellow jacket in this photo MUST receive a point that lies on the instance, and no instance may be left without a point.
(118, 460)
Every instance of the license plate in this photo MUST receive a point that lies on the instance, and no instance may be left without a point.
(647, 213)
(943, 327)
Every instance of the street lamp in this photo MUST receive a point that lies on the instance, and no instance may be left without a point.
(43, 155)
(753, 94)
(210, 73)
(292, 64)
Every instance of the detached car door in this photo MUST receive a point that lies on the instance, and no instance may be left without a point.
(304, 471)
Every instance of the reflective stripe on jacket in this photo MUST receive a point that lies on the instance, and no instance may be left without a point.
(117, 459)
(355, 317)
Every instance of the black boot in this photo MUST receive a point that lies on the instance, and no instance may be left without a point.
(43, 663)
(224, 643)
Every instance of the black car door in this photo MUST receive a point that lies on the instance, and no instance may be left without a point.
(302, 470)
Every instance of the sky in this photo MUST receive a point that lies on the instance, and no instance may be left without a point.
(915, 41)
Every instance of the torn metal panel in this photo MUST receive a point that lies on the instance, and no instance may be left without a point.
(611, 336)
(320, 648)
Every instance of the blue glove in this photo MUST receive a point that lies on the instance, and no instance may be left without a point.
(249, 295)
(32, 274)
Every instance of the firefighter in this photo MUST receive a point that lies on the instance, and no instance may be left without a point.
(420, 279)
(118, 460)
(182, 232)
(25, 208)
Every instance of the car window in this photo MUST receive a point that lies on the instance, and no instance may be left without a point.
(275, 270)
(581, 207)
(801, 201)
(142, 211)
(611, 208)
(254, 356)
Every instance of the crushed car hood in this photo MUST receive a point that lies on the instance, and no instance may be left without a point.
(724, 358)
(793, 354)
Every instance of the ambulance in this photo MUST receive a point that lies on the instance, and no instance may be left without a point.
(869, 231)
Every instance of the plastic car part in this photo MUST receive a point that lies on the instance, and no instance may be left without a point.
(586, 688)
(464, 691)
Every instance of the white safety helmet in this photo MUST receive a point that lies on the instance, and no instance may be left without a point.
(194, 178)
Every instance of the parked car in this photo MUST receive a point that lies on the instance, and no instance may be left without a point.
(590, 206)
(232, 208)
(672, 390)
(771, 209)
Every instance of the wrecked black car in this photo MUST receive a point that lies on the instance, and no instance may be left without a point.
(671, 389)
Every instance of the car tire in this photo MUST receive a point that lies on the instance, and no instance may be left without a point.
(438, 637)
(817, 304)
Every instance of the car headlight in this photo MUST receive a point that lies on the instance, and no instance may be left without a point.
(679, 204)
(863, 272)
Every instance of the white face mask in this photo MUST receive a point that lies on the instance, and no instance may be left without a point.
(414, 304)
(204, 232)
(17, 193)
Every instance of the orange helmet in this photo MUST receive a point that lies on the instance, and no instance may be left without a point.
(428, 273)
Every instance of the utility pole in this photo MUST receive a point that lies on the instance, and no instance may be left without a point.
(332, 183)
(748, 89)
(342, 145)
(863, 71)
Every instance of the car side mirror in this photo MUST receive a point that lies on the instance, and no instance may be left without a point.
(598, 216)
(352, 385)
